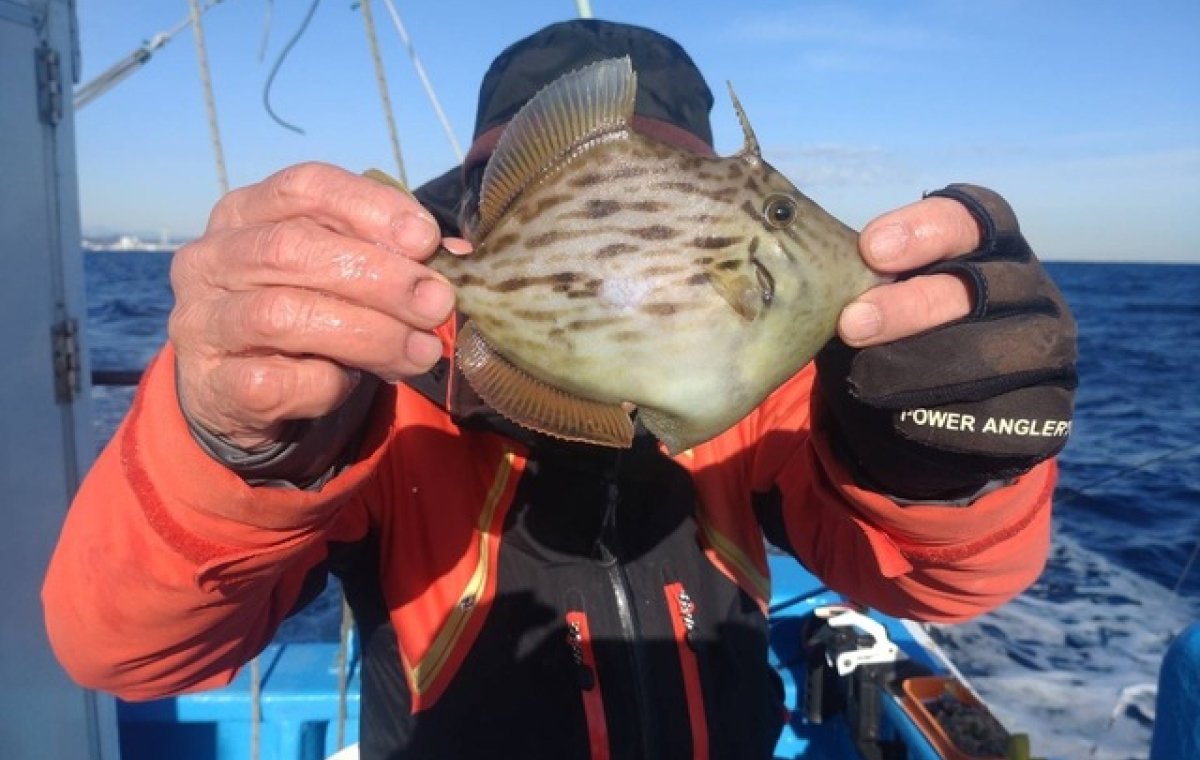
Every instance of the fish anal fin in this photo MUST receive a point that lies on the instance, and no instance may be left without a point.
(534, 404)
(576, 107)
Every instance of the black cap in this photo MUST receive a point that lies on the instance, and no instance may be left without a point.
(670, 87)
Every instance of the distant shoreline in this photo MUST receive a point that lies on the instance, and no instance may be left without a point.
(131, 244)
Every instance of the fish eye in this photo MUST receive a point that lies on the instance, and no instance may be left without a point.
(779, 211)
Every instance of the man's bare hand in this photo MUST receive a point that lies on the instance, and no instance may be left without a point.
(299, 284)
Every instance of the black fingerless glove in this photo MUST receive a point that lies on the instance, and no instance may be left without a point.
(941, 415)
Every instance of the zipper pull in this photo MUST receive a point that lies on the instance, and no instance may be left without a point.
(575, 642)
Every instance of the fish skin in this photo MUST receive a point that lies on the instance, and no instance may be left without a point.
(634, 272)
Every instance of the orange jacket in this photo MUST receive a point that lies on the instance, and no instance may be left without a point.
(171, 572)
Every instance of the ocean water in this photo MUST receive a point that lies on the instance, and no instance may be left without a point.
(1074, 660)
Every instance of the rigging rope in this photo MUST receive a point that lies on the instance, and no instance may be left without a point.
(384, 98)
(214, 130)
(420, 69)
(210, 103)
(115, 74)
(266, 32)
(1083, 490)
(312, 9)
(343, 669)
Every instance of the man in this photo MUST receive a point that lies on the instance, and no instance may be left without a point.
(519, 596)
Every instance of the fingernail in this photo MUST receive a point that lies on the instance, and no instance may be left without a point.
(433, 300)
(423, 349)
(860, 322)
(415, 234)
(885, 244)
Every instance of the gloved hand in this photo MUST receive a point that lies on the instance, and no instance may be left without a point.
(942, 414)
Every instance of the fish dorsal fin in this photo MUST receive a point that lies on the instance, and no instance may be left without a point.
(573, 109)
(531, 403)
(750, 149)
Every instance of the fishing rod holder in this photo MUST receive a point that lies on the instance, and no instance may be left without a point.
(876, 647)
(851, 664)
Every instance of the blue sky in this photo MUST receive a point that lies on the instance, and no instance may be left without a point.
(1086, 115)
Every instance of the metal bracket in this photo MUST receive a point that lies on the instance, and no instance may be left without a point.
(882, 649)
(50, 85)
(68, 365)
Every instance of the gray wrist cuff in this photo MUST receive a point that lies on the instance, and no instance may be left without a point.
(310, 453)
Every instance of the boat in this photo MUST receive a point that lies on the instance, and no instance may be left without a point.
(859, 684)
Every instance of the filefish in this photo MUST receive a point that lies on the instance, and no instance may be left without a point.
(613, 272)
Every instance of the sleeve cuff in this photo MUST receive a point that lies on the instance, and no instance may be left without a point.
(309, 456)
(202, 509)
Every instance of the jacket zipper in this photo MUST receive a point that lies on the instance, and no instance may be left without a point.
(609, 546)
(579, 639)
(683, 622)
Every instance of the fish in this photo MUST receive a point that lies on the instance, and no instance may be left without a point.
(616, 276)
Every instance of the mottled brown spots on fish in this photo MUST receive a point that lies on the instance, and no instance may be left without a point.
(710, 242)
(555, 236)
(753, 247)
(649, 207)
(577, 325)
(683, 187)
(513, 284)
(500, 242)
(654, 232)
(595, 178)
(751, 184)
(574, 289)
(590, 289)
(536, 315)
(467, 280)
(664, 309)
(527, 213)
(663, 270)
(558, 280)
(700, 278)
(722, 195)
(728, 265)
(587, 179)
(615, 249)
(627, 336)
(735, 169)
(598, 209)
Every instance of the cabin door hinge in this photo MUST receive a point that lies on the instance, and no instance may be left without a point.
(68, 366)
(50, 85)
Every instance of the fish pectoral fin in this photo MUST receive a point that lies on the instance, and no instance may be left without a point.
(534, 404)
(577, 107)
(740, 289)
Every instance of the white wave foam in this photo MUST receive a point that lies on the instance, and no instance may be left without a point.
(1085, 641)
